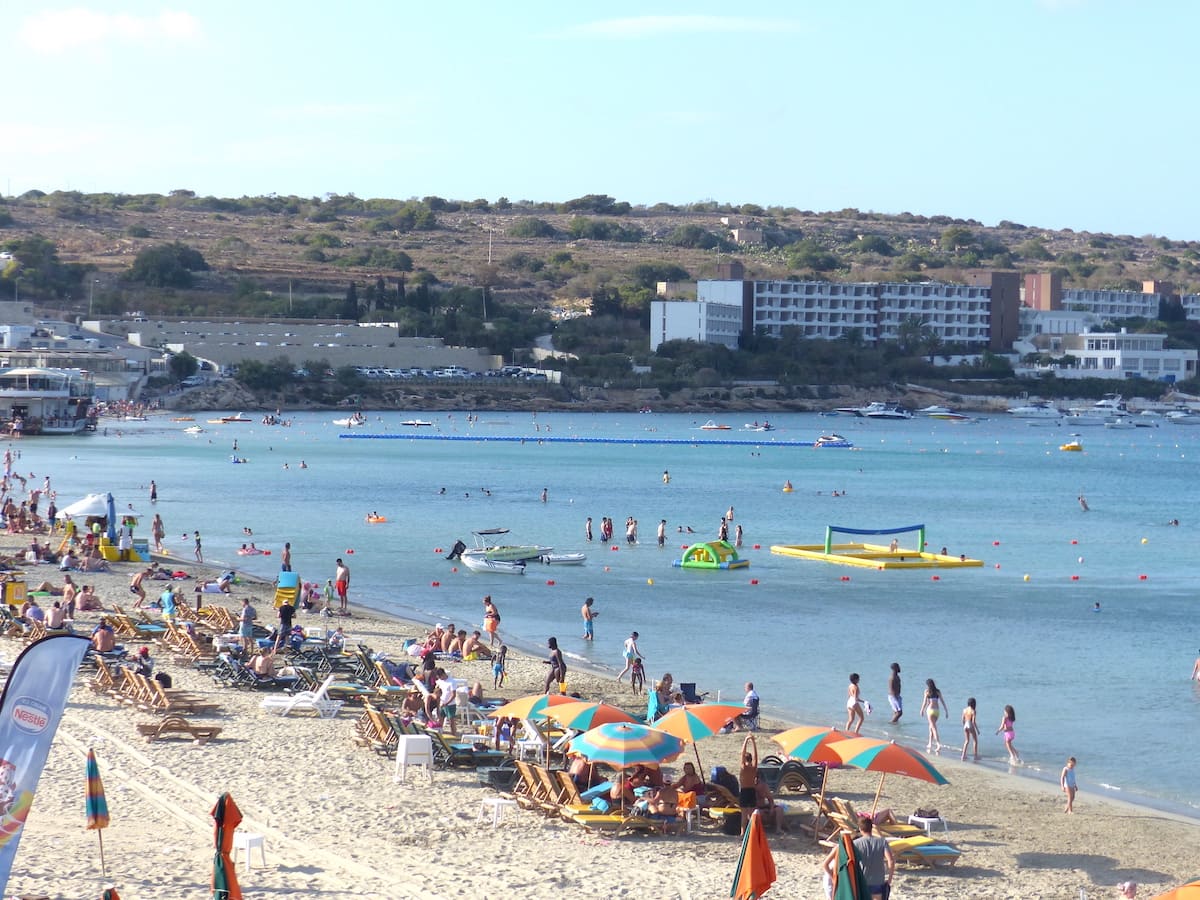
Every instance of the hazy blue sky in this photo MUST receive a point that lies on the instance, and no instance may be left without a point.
(1058, 113)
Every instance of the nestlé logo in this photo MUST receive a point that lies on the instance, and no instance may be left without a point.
(30, 715)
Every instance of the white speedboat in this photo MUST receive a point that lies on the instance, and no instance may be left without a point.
(193, 429)
(478, 563)
(1035, 409)
(934, 411)
(757, 426)
(832, 440)
(710, 425)
(1120, 423)
(417, 423)
(563, 559)
(1183, 417)
(486, 548)
(885, 411)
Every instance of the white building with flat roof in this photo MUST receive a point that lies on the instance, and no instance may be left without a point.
(1119, 354)
(704, 321)
(1112, 304)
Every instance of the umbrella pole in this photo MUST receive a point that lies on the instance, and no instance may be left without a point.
(820, 804)
(103, 868)
(699, 765)
(878, 792)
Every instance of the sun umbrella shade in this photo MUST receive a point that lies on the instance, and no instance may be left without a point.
(582, 715)
(1189, 891)
(91, 505)
(530, 707)
(756, 866)
(805, 742)
(94, 801)
(226, 818)
(624, 745)
(700, 720)
(886, 757)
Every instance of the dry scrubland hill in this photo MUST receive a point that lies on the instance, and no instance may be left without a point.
(269, 248)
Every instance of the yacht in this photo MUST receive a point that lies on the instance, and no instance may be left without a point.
(1111, 406)
(877, 410)
(1035, 409)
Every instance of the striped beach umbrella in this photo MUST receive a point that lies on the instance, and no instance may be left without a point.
(624, 745)
(583, 715)
(95, 803)
(532, 706)
(804, 741)
(698, 721)
(886, 758)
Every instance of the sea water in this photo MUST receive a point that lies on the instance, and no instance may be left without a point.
(1109, 687)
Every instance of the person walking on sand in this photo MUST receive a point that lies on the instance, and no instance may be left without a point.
(630, 652)
(854, 708)
(1008, 728)
(341, 583)
(1067, 782)
(491, 619)
(929, 709)
(970, 728)
(589, 616)
(894, 697)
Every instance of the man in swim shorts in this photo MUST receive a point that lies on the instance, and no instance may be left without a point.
(341, 583)
(894, 697)
(589, 616)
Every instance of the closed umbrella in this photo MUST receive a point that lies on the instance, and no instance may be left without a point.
(110, 894)
(886, 758)
(756, 866)
(95, 804)
(226, 817)
(850, 883)
(111, 512)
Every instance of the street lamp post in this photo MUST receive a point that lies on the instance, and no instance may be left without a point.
(91, 293)
(16, 290)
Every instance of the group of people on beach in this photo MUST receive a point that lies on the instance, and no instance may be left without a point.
(933, 706)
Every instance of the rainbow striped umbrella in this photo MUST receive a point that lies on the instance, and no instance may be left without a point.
(582, 714)
(805, 741)
(698, 721)
(532, 706)
(886, 758)
(95, 804)
(624, 745)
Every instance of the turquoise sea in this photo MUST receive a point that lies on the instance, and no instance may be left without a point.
(1109, 687)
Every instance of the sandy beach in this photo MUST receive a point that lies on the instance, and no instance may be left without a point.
(336, 825)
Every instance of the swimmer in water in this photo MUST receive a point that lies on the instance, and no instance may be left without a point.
(1083, 503)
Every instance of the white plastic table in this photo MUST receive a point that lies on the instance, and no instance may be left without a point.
(927, 822)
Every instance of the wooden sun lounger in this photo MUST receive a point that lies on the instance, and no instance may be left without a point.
(178, 726)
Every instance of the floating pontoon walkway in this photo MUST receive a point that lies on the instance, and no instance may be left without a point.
(547, 439)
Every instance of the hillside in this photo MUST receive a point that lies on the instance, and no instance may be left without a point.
(541, 255)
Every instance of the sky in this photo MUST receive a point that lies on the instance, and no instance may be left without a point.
(1053, 113)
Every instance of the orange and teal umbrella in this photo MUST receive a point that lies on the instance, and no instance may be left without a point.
(532, 706)
(1189, 891)
(226, 818)
(624, 745)
(756, 866)
(582, 715)
(697, 721)
(805, 741)
(886, 758)
(95, 804)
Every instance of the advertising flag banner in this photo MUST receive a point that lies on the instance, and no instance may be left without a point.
(30, 710)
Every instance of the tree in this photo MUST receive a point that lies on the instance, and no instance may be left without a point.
(166, 265)
(956, 238)
(531, 227)
(350, 304)
(183, 365)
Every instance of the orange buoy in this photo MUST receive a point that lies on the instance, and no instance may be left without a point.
(1141, 578)
(1074, 577)
(435, 584)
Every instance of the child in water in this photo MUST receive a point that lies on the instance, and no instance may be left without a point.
(498, 669)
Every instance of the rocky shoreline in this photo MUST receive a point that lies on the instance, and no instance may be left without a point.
(756, 399)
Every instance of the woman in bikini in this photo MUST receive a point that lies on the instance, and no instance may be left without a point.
(854, 709)
(929, 709)
(970, 728)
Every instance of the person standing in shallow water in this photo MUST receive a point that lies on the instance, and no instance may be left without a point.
(894, 696)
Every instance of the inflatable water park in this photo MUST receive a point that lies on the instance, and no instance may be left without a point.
(711, 555)
(876, 556)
